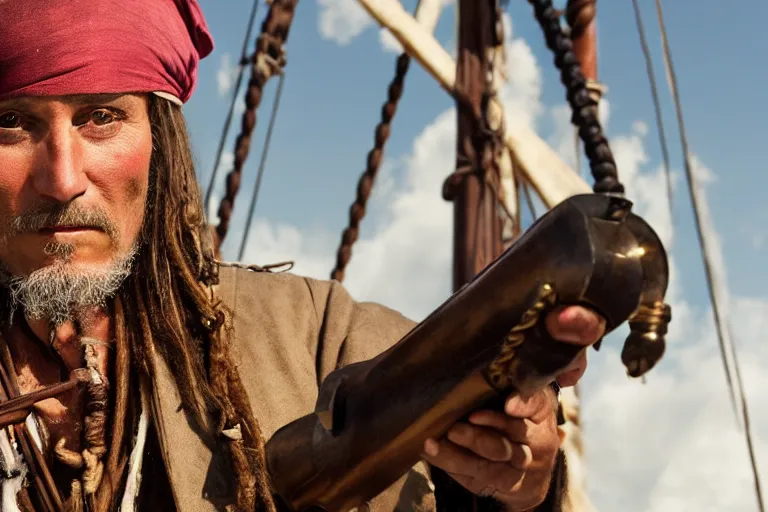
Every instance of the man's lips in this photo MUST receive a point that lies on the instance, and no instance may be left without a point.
(50, 230)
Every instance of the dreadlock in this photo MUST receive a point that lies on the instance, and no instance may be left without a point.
(167, 307)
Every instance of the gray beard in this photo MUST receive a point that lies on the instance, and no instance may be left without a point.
(60, 291)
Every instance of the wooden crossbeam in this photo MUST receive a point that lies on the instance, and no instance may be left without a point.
(428, 14)
(552, 178)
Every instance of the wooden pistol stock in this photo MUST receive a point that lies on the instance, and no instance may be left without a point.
(372, 418)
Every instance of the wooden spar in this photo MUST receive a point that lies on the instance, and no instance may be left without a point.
(428, 14)
(497, 121)
(581, 16)
(552, 178)
(477, 226)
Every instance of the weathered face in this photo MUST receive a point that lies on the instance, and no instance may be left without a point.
(74, 174)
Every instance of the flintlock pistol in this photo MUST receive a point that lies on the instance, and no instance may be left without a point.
(486, 341)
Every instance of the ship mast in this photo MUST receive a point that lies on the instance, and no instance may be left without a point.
(475, 186)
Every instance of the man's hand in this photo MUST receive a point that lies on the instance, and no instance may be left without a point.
(510, 456)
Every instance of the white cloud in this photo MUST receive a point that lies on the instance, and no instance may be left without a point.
(563, 140)
(212, 208)
(409, 250)
(227, 161)
(225, 76)
(385, 189)
(388, 42)
(412, 250)
(313, 253)
(239, 107)
(756, 233)
(522, 93)
(428, 17)
(342, 20)
(674, 440)
(671, 444)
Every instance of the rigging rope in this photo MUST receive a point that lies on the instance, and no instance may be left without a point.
(268, 60)
(584, 107)
(705, 256)
(262, 164)
(228, 122)
(366, 181)
(529, 201)
(657, 108)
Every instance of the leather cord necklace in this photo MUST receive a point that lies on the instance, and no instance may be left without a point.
(15, 408)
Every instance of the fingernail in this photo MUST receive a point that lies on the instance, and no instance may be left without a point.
(507, 448)
(570, 336)
(480, 419)
(572, 315)
(528, 456)
(431, 448)
(514, 405)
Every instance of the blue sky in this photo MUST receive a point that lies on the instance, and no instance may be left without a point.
(333, 93)
(335, 84)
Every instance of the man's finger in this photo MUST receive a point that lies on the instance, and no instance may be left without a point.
(574, 371)
(515, 429)
(535, 407)
(490, 444)
(575, 324)
(456, 461)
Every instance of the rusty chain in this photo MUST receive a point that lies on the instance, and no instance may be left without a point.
(268, 60)
(366, 181)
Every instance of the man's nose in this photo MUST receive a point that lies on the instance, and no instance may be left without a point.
(60, 175)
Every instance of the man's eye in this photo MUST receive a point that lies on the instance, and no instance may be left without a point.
(10, 120)
(102, 117)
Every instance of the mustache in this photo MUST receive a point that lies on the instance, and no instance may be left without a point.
(70, 215)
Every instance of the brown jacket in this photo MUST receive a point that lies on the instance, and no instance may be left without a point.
(288, 334)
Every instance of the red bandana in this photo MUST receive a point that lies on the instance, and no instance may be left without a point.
(62, 47)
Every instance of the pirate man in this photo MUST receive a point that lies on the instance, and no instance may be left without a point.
(163, 371)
